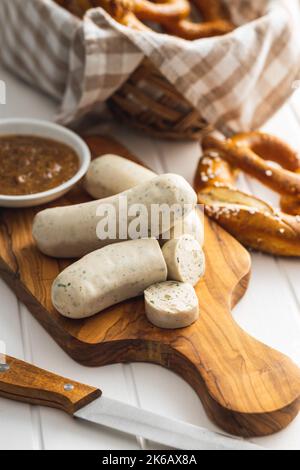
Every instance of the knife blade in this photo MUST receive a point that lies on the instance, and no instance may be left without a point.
(160, 429)
(26, 383)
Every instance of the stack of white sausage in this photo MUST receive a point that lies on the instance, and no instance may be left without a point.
(112, 270)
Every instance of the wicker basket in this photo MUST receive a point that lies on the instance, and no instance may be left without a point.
(150, 103)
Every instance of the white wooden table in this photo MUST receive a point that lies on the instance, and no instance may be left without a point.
(270, 311)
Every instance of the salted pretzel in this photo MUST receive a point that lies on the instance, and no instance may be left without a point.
(249, 219)
(271, 148)
(281, 180)
(171, 14)
(290, 204)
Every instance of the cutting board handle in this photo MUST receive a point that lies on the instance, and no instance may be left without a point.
(23, 382)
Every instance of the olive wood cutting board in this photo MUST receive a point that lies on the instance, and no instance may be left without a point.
(246, 388)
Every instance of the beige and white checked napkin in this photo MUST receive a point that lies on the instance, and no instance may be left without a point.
(236, 81)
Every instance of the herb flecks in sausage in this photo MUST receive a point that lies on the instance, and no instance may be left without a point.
(71, 232)
(185, 259)
(171, 305)
(113, 274)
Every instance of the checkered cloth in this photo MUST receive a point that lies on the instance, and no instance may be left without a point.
(236, 81)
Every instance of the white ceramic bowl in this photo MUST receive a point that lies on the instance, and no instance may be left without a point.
(50, 131)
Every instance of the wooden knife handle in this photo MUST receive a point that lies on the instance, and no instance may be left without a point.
(23, 382)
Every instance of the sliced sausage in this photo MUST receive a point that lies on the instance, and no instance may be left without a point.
(185, 259)
(171, 304)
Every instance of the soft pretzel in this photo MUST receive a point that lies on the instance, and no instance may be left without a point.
(162, 10)
(281, 180)
(172, 14)
(120, 10)
(249, 219)
(77, 7)
(273, 149)
(190, 30)
(290, 205)
(269, 147)
(211, 10)
(215, 22)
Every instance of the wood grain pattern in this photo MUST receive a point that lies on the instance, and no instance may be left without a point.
(247, 388)
(29, 384)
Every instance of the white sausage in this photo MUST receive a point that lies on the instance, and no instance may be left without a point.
(191, 225)
(108, 276)
(185, 259)
(70, 232)
(171, 305)
(110, 174)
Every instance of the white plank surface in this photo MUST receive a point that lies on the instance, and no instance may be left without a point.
(270, 312)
